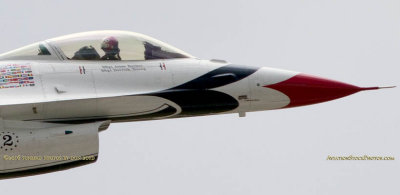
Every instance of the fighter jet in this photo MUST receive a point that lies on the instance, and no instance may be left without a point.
(58, 94)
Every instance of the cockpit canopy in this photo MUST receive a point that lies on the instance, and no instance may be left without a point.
(98, 45)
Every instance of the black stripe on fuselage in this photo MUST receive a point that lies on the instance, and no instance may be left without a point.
(195, 97)
(219, 77)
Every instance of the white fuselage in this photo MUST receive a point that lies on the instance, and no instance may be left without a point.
(136, 90)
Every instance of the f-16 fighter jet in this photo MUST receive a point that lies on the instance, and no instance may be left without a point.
(58, 94)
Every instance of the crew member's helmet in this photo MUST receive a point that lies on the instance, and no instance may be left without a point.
(110, 45)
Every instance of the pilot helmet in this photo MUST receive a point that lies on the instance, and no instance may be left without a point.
(110, 45)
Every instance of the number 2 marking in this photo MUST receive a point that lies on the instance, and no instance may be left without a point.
(8, 140)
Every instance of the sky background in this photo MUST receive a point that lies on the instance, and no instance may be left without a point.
(274, 152)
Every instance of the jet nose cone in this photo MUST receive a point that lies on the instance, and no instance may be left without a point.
(303, 89)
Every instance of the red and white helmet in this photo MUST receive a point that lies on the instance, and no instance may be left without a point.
(109, 44)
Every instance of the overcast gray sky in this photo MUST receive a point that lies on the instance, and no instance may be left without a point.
(274, 152)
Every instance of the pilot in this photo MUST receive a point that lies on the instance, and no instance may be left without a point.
(110, 48)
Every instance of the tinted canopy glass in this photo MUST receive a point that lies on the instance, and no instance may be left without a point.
(114, 45)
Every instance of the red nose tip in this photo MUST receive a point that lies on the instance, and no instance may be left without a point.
(305, 89)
